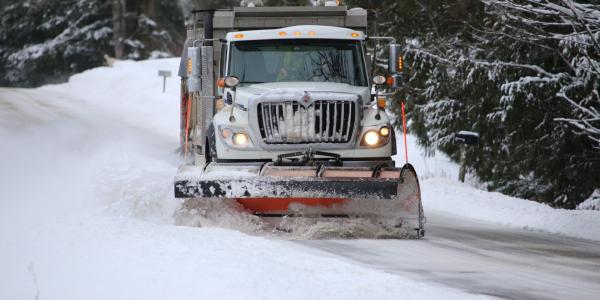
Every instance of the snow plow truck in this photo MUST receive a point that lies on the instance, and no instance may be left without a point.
(281, 111)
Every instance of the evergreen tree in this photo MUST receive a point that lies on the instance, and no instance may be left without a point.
(522, 73)
(44, 41)
(287, 2)
(189, 5)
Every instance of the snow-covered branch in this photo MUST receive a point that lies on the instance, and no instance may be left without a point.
(573, 29)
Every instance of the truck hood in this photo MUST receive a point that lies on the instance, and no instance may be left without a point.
(294, 90)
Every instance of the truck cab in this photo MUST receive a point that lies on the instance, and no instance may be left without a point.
(298, 87)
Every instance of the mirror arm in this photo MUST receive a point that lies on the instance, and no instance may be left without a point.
(388, 38)
(233, 104)
(387, 94)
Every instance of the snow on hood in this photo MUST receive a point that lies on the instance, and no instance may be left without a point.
(295, 90)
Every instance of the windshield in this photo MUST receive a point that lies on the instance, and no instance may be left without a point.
(298, 60)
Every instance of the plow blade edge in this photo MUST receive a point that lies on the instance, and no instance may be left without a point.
(261, 187)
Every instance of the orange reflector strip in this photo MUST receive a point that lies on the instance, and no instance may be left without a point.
(400, 62)
(189, 66)
(282, 204)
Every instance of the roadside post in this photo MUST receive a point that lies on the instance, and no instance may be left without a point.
(164, 75)
(465, 139)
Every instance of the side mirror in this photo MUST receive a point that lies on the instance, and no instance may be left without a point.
(466, 137)
(396, 61)
(396, 65)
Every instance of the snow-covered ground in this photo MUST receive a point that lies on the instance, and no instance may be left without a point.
(591, 203)
(443, 193)
(87, 211)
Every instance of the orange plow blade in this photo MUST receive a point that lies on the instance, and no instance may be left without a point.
(265, 205)
(389, 194)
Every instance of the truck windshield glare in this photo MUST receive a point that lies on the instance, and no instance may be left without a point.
(298, 60)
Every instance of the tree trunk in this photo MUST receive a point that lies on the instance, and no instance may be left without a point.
(149, 8)
(118, 20)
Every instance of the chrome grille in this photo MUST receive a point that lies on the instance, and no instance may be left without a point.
(322, 121)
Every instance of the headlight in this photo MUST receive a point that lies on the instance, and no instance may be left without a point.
(240, 139)
(236, 138)
(371, 138)
(374, 137)
(384, 131)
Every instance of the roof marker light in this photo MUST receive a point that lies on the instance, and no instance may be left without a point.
(282, 33)
(312, 33)
(354, 34)
(297, 33)
(239, 36)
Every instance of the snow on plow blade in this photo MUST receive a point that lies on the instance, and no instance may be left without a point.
(390, 194)
(235, 181)
(292, 187)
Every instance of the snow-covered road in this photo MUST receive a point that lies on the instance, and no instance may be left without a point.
(86, 211)
(483, 259)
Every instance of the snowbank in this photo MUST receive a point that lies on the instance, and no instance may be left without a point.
(459, 199)
(444, 194)
(591, 203)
